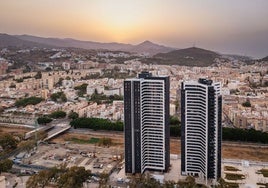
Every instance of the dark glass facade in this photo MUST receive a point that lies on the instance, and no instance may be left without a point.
(140, 119)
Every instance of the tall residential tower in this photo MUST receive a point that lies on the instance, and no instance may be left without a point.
(146, 123)
(201, 109)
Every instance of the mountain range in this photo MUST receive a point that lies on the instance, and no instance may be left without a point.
(158, 53)
(34, 41)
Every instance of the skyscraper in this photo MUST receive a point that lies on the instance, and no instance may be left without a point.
(146, 123)
(201, 129)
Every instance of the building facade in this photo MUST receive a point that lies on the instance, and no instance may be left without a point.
(146, 123)
(201, 135)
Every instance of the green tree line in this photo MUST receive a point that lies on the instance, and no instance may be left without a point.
(101, 98)
(48, 118)
(247, 135)
(230, 134)
(97, 124)
(26, 101)
(61, 176)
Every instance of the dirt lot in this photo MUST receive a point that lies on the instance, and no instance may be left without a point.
(237, 151)
(14, 131)
(230, 151)
(245, 152)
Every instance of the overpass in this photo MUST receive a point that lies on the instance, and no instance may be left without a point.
(57, 129)
(42, 128)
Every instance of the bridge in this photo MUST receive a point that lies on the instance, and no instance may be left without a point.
(42, 128)
(57, 129)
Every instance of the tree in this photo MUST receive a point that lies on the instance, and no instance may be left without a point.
(174, 120)
(169, 184)
(44, 120)
(221, 183)
(59, 83)
(63, 98)
(97, 124)
(1, 110)
(73, 115)
(48, 69)
(175, 130)
(8, 142)
(38, 75)
(58, 114)
(19, 80)
(249, 135)
(144, 181)
(64, 177)
(188, 183)
(5, 165)
(82, 89)
(265, 84)
(73, 177)
(12, 85)
(41, 179)
(27, 145)
(45, 177)
(103, 180)
(58, 97)
(26, 101)
(247, 103)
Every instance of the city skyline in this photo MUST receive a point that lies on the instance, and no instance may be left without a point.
(228, 27)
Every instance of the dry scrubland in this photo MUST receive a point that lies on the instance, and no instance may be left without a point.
(238, 151)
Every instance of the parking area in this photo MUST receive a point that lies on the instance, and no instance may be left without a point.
(244, 173)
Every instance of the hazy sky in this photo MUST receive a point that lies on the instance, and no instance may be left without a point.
(229, 26)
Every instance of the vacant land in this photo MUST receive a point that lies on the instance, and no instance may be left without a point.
(231, 151)
(245, 152)
(14, 130)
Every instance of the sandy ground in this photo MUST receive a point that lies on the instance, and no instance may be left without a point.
(11, 130)
(230, 151)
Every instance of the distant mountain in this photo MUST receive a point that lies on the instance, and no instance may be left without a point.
(145, 47)
(151, 48)
(265, 58)
(73, 43)
(9, 40)
(189, 57)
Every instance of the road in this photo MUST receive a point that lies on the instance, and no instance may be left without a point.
(58, 127)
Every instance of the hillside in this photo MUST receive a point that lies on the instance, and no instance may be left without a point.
(188, 57)
(73, 43)
(265, 58)
(8, 41)
(145, 47)
(151, 48)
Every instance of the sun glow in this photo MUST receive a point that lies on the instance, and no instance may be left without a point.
(171, 22)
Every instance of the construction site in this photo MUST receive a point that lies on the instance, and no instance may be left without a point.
(102, 152)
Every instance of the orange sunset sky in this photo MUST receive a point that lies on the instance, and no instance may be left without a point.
(239, 26)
